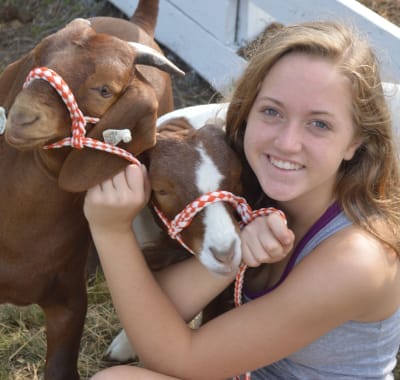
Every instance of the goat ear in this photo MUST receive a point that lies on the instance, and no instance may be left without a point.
(13, 78)
(78, 32)
(176, 128)
(135, 110)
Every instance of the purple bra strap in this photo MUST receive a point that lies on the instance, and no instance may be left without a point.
(328, 215)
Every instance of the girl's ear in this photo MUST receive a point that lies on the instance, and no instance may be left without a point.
(352, 148)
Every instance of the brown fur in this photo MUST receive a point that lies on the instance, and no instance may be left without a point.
(44, 236)
(171, 163)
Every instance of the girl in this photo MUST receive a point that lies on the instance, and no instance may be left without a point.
(310, 123)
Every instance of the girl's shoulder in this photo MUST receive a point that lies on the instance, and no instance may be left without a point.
(361, 267)
(353, 246)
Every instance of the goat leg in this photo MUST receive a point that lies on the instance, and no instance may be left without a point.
(64, 327)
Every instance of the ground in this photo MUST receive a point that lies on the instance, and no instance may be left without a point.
(22, 25)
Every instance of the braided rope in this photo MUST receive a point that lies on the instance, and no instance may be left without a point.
(78, 139)
(181, 220)
(185, 217)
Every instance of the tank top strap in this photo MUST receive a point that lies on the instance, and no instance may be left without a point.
(332, 221)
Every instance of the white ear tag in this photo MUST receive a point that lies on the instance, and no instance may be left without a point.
(115, 136)
(3, 120)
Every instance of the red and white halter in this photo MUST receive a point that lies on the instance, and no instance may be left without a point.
(79, 121)
(185, 217)
(181, 220)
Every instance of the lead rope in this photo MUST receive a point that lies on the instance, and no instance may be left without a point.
(185, 217)
(181, 220)
(79, 121)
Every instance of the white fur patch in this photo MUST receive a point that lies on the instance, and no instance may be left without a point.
(120, 349)
(198, 116)
(220, 233)
(208, 177)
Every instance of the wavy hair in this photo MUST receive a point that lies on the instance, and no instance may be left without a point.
(368, 185)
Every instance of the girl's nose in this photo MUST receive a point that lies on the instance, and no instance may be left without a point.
(289, 137)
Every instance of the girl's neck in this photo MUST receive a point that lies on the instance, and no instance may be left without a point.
(302, 214)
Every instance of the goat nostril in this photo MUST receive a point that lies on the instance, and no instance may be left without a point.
(223, 256)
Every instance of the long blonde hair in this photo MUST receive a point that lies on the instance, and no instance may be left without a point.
(368, 186)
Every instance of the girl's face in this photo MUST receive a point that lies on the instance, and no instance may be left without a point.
(300, 129)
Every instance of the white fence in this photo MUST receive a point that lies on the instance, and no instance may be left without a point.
(206, 34)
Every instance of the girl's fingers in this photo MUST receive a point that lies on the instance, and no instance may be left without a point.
(133, 176)
(107, 186)
(279, 229)
(248, 255)
(119, 181)
(266, 240)
(271, 250)
(146, 183)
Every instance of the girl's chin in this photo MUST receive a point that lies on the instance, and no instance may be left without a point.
(279, 194)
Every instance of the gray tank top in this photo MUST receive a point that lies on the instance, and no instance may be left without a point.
(353, 350)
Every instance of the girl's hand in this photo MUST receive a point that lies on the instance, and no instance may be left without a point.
(113, 204)
(266, 239)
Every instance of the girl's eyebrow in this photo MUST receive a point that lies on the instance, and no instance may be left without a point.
(279, 103)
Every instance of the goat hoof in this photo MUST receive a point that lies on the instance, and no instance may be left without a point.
(120, 350)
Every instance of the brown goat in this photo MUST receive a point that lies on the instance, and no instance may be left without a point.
(191, 157)
(44, 236)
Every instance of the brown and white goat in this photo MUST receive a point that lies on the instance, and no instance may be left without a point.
(44, 236)
(191, 158)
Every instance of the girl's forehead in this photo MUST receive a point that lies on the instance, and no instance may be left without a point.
(303, 67)
(309, 80)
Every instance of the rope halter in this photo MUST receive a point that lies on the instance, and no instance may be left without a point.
(79, 121)
(185, 217)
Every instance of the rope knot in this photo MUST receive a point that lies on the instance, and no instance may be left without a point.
(78, 130)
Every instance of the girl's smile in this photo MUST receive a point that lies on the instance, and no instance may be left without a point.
(283, 164)
(300, 129)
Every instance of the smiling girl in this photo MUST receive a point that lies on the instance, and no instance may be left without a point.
(309, 120)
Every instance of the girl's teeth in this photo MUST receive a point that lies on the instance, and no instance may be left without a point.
(285, 164)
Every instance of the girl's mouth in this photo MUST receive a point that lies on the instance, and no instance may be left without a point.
(284, 165)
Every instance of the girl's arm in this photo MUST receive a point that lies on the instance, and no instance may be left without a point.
(190, 286)
(317, 296)
(265, 240)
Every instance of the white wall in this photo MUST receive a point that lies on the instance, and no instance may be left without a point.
(207, 33)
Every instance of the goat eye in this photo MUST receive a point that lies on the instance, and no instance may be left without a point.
(105, 92)
(161, 192)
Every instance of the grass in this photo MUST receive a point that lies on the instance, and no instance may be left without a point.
(23, 340)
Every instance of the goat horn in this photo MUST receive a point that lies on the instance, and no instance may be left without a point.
(149, 56)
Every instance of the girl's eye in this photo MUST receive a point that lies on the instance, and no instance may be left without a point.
(320, 124)
(271, 112)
